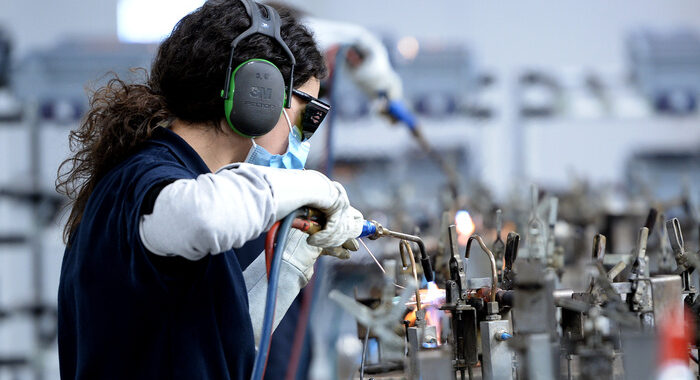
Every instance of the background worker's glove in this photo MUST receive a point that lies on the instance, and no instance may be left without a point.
(302, 256)
(297, 268)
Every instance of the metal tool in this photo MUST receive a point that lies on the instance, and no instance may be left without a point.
(492, 305)
(599, 241)
(685, 261)
(651, 219)
(463, 315)
(498, 246)
(512, 243)
(535, 229)
(640, 298)
(374, 230)
(551, 254)
(384, 317)
(666, 259)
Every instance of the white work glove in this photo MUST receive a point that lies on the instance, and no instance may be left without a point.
(343, 222)
(299, 254)
(294, 188)
(297, 268)
(302, 256)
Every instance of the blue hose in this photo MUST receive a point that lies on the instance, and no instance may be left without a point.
(399, 111)
(271, 298)
(368, 229)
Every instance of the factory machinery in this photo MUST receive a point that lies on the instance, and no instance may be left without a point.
(625, 320)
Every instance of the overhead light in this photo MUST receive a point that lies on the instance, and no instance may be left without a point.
(150, 21)
(408, 47)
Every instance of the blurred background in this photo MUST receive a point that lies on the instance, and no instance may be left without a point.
(595, 102)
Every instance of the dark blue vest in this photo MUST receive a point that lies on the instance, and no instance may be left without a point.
(124, 313)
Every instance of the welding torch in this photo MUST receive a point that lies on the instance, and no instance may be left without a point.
(311, 221)
(399, 112)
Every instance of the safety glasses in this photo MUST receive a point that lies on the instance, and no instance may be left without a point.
(314, 113)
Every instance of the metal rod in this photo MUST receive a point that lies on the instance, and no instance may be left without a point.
(405, 249)
(492, 260)
(364, 352)
(425, 259)
(413, 238)
(617, 269)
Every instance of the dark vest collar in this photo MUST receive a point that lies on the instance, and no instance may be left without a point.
(180, 148)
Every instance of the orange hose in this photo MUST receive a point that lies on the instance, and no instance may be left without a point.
(270, 246)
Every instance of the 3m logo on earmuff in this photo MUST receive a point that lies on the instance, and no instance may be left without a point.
(262, 93)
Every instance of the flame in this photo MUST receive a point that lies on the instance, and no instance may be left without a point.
(430, 299)
(465, 226)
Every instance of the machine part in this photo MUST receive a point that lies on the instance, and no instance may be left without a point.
(429, 337)
(665, 290)
(435, 364)
(641, 250)
(347, 348)
(364, 354)
(479, 282)
(458, 272)
(465, 339)
(640, 299)
(413, 365)
(382, 319)
(419, 340)
(502, 335)
(496, 356)
(492, 310)
(666, 260)
(596, 363)
(498, 246)
(616, 270)
(380, 231)
(551, 243)
(572, 324)
(405, 250)
(463, 318)
(651, 220)
(535, 229)
(685, 263)
(492, 261)
(534, 299)
(539, 361)
(512, 243)
(640, 357)
(599, 247)
(535, 322)
(677, 244)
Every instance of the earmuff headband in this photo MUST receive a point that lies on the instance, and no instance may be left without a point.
(268, 25)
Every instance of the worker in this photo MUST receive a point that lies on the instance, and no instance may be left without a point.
(172, 179)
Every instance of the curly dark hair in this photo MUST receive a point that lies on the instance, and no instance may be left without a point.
(187, 76)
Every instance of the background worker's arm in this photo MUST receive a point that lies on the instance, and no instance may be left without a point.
(219, 211)
(296, 271)
(374, 73)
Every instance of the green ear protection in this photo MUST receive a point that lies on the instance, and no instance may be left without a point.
(254, 92)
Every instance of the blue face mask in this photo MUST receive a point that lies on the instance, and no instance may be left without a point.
(296, 155)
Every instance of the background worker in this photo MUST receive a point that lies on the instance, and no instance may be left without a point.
(367, 62)
(168, 188)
